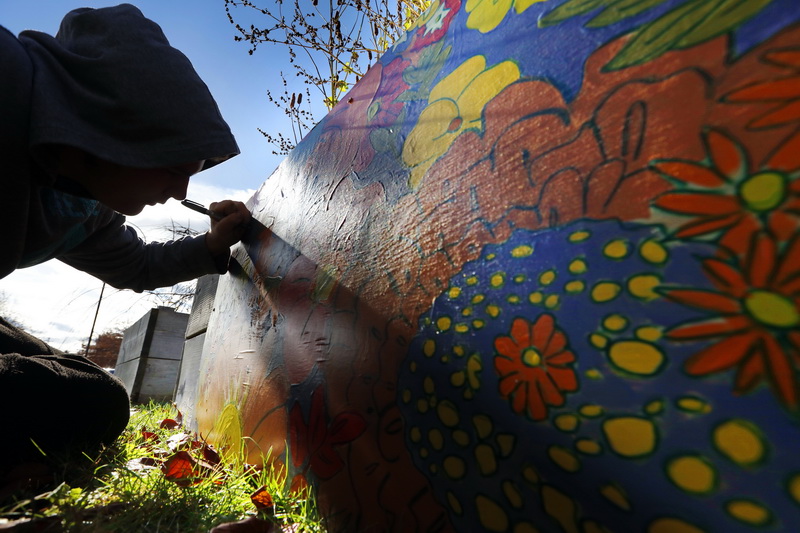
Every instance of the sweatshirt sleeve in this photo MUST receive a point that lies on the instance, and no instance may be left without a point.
(117, 255)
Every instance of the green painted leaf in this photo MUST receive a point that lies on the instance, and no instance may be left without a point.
(569, 9)
(621, 10)
(661, 35)
(728, 15)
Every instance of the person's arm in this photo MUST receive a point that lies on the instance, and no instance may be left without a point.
(117, 255)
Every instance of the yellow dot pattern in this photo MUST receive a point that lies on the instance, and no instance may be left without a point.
(740, 441)
(692, 474)
(649, 333)
(506, 442)
(793, 486)
(559, 506)
(579, 236)
(654, 407)
(448, 414)
(593, 373)
(564, 458)
(490, 514)
(483, 425)
(692, 404)
(522, 251)
(575, 287)
(454, 503)
(617, 249)
(636, 357)
(530, 475)
(588, 446)
(605, 291)
(616, 496)
(497, 280)
(454, 467)
(653, 252)
(566, 422)
(638, 351)
(429, 348)
(512, 494)
(630, 436)
(461, 437)
(615, 322)
(644, 286)
(672, 525)
(436, 439)
(547, 277)
(749, 512)
(485, 459)
(598, 341)
(591, 411)
(578, 266)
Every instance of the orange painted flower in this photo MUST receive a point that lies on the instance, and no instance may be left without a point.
(733, 198)
(534, 366)
(755, 319)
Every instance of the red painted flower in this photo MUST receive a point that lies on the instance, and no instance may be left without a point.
(314, 442)
(731, 197)
(534, 366)
(755, 319)
(783, 93)
(433, 24)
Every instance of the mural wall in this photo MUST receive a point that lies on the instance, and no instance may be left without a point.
(538, 271)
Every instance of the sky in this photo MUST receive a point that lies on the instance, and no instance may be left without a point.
(58, 303)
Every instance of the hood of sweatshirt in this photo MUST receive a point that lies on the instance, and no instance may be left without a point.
(110, 84)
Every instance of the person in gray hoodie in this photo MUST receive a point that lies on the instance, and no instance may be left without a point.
(98, 121)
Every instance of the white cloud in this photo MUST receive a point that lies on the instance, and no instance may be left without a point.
(58, 303)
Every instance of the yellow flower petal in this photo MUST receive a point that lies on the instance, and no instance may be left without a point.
(453, 84)
(522, 5)
(488, 14)
(483, 88)
(429, 136)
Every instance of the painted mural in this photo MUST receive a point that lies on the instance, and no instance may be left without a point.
(538, 271)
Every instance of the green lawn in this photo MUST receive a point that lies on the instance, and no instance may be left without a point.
(159, 479)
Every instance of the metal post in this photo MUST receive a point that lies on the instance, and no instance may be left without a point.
(96, 312)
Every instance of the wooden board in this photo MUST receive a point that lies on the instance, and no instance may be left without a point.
(538, 271)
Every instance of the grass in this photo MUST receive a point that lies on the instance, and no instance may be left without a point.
(153, 479)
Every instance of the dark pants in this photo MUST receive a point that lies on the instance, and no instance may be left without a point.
(65, 404)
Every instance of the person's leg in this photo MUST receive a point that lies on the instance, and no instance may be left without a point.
(52, 402)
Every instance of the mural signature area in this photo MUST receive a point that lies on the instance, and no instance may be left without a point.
(538, 271)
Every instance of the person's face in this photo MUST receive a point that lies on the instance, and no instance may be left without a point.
(127, 190)
(124, 189)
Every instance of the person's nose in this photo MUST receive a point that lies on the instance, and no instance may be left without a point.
(179, 188)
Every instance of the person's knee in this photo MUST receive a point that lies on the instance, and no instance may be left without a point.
(61, 403)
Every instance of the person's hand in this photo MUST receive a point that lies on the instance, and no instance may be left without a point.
(229, 229)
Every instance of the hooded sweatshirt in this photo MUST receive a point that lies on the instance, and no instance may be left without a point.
(109, 84)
